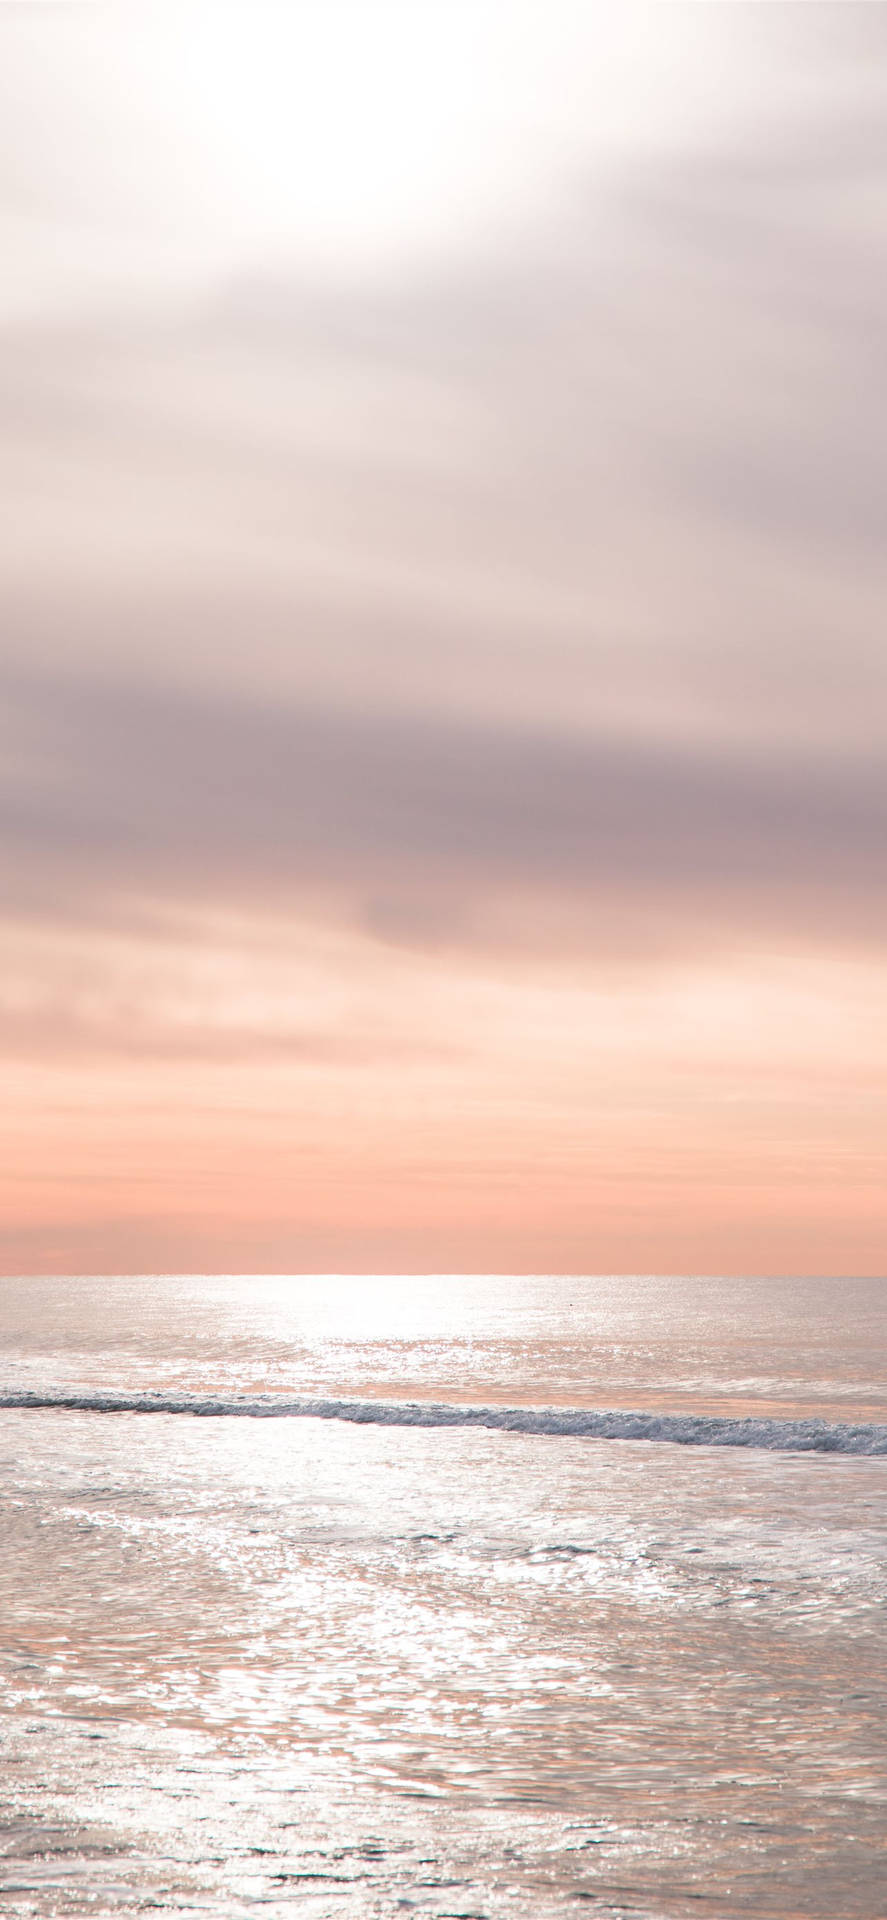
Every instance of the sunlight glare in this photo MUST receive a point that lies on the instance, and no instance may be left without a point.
(353, 129)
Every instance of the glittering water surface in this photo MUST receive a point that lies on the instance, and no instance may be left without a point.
(336, 1669)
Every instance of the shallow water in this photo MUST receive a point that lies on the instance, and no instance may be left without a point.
(331, 1668)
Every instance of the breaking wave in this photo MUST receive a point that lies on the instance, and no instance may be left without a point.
(684, 1430)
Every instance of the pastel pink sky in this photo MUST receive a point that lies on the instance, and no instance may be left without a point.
(443, 690)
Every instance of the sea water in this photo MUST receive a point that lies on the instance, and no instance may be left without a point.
(448, 1596)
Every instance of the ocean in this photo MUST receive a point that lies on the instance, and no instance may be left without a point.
(450, 1596)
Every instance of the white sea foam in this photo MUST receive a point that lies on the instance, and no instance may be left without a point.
(688, 1430)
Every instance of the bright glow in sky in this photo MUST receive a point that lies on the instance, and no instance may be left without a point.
(375, 128)
(356, 134)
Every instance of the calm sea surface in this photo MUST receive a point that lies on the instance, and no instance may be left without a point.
(350, 1597)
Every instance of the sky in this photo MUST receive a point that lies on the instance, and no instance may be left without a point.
(443, 687)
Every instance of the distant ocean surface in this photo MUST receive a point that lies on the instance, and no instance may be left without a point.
(449, 1596)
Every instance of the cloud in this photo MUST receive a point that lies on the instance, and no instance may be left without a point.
(126, 792)
(532, 596)
(58, 1032)
(625, 467)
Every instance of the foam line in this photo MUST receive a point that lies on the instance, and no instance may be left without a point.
(685, 1430)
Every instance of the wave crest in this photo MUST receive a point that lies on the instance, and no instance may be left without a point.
(686, 1430)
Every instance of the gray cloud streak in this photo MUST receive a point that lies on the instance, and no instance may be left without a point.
(115, 790)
